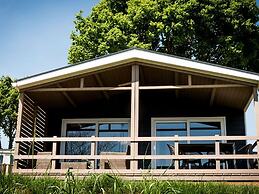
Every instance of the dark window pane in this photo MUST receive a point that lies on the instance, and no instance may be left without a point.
(113, 130)
(168, 129)
(175, 126)
(113, 127)
(81, 127)
(205, 129)
(205, 125)
(79, 130)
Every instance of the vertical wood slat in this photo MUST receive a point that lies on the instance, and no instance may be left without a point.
(82, 82)
(176, 162)
(217, 153)
(93, 149)
(54, 152)
(257, 148)
(18, 128)
(32, 126)
(134, 115)
(256, 108)
(189, 80)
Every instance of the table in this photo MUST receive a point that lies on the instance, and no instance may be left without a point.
(226, 148)
(190, 149)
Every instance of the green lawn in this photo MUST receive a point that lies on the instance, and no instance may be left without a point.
(110, 184)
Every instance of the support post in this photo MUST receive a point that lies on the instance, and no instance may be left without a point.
(68, 98)
(256, 108)
(189, 80)
(100, 82)
(18, 129)
(217, 153)
(257, 147)
(93, 148)
(134, 115)
(176, 146)
(54, 153)
(82, 82)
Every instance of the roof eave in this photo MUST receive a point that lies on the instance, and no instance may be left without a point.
(136, 55)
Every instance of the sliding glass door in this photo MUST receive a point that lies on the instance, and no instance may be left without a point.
(79, 130)
(167, 129)
(113, 130)
(161, 127)
(94, 127)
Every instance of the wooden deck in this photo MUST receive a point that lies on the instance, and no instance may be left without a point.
(217, 174)
(244, 175)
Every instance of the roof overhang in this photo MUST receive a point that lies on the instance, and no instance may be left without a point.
(137, 55)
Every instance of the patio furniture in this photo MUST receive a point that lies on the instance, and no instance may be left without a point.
(186, 163)
(113, 163)
(190, 149)
(249, 149)
(75, 165)
(44, 163)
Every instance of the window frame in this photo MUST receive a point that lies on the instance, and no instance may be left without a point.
(95, 121)
(188, 120)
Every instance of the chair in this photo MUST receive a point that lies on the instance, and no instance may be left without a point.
(43, 163)
(115, 163)
(172, 152)
(195, 162)
(75, 165)
(248, 149)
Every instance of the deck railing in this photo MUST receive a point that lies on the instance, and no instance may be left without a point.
(217, 155)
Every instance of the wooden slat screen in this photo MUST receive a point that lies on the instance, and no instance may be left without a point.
(33, 125)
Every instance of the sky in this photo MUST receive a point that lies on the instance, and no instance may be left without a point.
(35, 37)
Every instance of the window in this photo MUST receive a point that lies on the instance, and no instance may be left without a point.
(79, 130)
(113, 130)
(167, 129)
(205, 129)
(204, 126)
(94, 127)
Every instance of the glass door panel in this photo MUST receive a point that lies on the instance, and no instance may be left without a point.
(205, 129)
(167, 129)
(113, 130)
(79, 130)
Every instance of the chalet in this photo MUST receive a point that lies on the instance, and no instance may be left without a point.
(138, 113)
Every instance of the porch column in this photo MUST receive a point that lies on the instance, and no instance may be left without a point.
(18, 130)
(134, 115)
(256, 108)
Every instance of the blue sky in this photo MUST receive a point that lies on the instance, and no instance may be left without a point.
(34, 37)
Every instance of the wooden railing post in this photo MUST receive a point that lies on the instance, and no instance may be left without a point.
(176, 146)
(18, 130)
(54, 153)
(257, 148)
(93, 151)
(217, 153)
(134, 116)
(256, 108)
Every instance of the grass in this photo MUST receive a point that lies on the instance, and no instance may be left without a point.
(106, 184)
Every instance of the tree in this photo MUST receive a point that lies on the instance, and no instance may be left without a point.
(223, 32)
(8, 108)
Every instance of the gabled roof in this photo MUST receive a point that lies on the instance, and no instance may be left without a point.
(137, 55)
